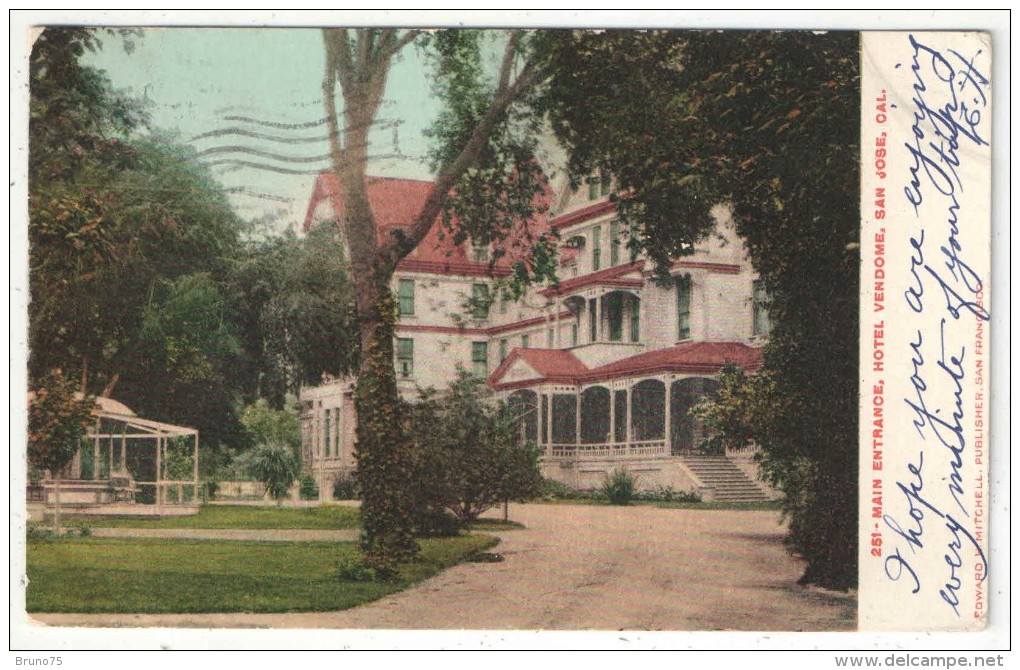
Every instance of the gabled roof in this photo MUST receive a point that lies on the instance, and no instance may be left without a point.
(614, 277)
(551, 364)
(563, 367)
(396, 203)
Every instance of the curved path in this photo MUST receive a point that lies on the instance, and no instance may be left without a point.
(588, 567)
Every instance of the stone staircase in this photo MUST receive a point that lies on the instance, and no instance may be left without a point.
(729, 482)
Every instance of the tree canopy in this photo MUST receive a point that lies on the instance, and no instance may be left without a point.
(765, 123)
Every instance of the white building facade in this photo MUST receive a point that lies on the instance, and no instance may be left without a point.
(605, 365)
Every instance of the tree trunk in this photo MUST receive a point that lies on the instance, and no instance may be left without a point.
(382, 448)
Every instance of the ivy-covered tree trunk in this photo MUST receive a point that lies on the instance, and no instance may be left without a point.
(382, 449)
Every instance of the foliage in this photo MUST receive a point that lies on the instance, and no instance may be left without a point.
(468, 454)
(126, 234)
(667, 494)
(486, 169)
(57, 421)
(619, 486)
(268, 426)
(276, 467)
(766, 123)
(308, 490)
(126, 575)
(554, 490)
(345, 487)
(354, 569)
(292, 299)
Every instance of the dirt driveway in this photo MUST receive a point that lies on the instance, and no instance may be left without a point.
(588, 567)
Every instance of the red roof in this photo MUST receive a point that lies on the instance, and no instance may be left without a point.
(552, 364)
(562, 366)
(685, 357)
(396, 203)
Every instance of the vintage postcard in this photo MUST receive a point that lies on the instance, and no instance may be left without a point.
(378, 331)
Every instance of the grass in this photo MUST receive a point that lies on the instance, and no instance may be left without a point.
(494, 525)
(323, 517)
(90, 575)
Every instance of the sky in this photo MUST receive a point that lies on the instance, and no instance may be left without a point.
(249, 101)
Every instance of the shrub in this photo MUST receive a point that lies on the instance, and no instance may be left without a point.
(554, 490)
(345, 487)
(619, 486)
(276, 467)
(308, 488)
(467, 455)
(354, 569)
(667, 494)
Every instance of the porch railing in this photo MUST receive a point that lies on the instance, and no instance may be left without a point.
(643, 449)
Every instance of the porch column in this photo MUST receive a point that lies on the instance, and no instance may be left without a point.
(123, 453)
(540, 422)
(612, 415)
(577, 415)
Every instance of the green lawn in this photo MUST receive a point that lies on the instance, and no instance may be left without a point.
(182, 576)
(324, 517)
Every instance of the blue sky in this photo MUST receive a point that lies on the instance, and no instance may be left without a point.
(236, 94)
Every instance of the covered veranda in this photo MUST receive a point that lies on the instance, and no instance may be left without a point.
(638, 407)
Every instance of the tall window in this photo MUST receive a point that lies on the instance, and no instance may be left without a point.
(596, 247)
(573, 334)
(480, 301)
(405, 297)
(504, 348)
(683, 307)
(480, 358)
(635, 320)
(525, 340)
(550, 338)
(614, 243)
(762, 324)
(593, 320)
(327, 433)
(405, 356)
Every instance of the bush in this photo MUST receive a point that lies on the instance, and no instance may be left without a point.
(619, 486)
(276, 467)
(354, 569)
(467, 455)
(308, 488)
(554, 490)
(667, 494)
(345, 487)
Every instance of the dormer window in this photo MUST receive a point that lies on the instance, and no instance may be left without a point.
(480, 253)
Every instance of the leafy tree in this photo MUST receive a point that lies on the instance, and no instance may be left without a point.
(485, 159)
(766, 123)
(276, 467)
(57, 420)
(114, 221)
(272, 426)
(468, 454)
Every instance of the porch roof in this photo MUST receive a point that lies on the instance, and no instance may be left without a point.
(614, 277)
(563, 367)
